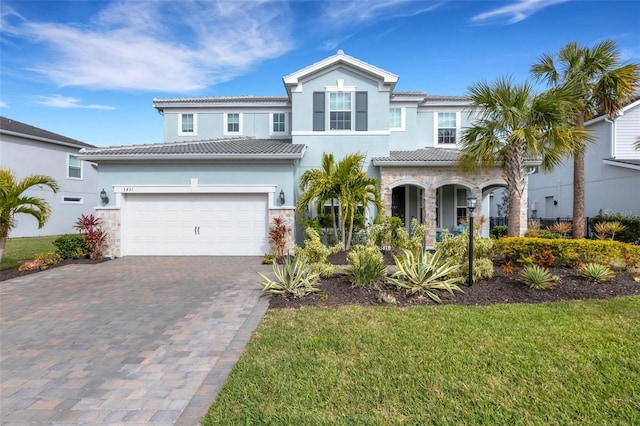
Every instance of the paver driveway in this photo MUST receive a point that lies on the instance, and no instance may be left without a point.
(132, 340)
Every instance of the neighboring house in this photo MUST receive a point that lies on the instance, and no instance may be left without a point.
(28, 150)
(231, 164)
(612, 172)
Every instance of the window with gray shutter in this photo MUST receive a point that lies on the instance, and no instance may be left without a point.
(361, 111)
(318, 111)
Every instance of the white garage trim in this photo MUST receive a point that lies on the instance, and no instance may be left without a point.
(194, 220)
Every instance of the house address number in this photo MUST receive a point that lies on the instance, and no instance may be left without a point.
(127, 189)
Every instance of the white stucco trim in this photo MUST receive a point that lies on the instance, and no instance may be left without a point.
(195, 124)
(621, 164)
(341, 133)
(403, 119)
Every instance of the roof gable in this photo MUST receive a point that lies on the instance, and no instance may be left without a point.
(340, 59)
(17, 128)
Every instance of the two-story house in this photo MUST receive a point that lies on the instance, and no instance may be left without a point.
(612, 172)
(228, 165)
(30, 150)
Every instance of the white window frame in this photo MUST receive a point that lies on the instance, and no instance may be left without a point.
(195, 125)
(350, 111)
(77, 199)
(436, 128)
(339, 87)
(226, 131)
(69, 165)
(271, 123)
(402, 119)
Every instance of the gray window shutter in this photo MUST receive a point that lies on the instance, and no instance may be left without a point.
(361, 111)
(318, 111)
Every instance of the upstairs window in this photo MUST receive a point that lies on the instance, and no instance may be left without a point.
(447, 125)
(232, 123)
(396, 119)
(74, 168)
(278, 125)
(340, 111)
(188, 124)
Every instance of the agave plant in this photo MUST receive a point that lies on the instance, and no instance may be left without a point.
(425, 273)
(538, 277)
(294, 278)
(596, 272)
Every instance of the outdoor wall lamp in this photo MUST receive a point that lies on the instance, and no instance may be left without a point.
(103, 197)
(282, 200)
(472, 202)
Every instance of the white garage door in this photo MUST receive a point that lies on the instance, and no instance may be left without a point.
(195, 224)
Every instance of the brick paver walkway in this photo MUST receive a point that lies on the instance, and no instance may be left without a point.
(135, 340)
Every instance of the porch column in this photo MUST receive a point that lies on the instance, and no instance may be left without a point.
(429, 199)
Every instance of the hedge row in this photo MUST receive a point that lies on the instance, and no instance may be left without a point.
(632, 223)
(566, 252)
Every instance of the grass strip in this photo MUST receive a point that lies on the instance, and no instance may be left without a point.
(563, 363)
(21, 249)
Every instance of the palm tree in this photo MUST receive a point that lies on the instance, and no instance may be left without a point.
(320, 185)
(13, 202)
(604, 85)
(515, 124)
(355, 189)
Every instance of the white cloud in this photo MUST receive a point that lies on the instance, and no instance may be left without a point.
(161, 45)
(515, 12)
(59, 101)
(346, 13)
(3, 104)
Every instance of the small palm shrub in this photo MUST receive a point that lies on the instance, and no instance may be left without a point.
(562, 228)
(425, 273)
(596, 272)
(457, 249)
(388, 234)
(294, 278)
(538, 277)
(366, 266)
(315, 254)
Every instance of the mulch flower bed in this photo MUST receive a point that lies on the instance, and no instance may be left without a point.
(501, 288)
(7, 274)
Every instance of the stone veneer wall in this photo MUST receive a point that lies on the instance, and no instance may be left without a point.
(111, 224)
(431, 178)
(289, 215)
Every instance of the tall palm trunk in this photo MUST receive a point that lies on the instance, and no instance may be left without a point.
(4, 233)
(516, 177)
(335, 222)
(578, 185)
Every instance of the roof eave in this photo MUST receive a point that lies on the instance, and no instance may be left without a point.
(190, 157)
(41, 139)
(397, 163)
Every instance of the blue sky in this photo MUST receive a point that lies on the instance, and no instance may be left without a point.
(90, 69)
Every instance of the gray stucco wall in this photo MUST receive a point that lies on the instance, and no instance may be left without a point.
(27, 157)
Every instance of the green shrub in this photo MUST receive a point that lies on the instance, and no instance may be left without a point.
(315, 254)
(72, 246)
(425, 273)
(499, 231)
(457, 249)
(388, 234)
(294, 278)
(567, 252)
(366, 266)
(48, 257)
(596, 272)
(538, 277)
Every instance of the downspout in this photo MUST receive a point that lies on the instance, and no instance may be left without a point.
(612, 137)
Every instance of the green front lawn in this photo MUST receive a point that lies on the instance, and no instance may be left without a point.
(555, 363)
(20, 249)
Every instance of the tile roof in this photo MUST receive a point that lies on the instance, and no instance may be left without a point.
(221, 100)
(434, 155)
(441, 98)
(207, 149)
(409, 94)
(8, 125)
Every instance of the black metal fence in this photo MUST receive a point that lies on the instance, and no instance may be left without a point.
(544, 222)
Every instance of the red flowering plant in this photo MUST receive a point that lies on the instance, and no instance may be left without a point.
(91, 228)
